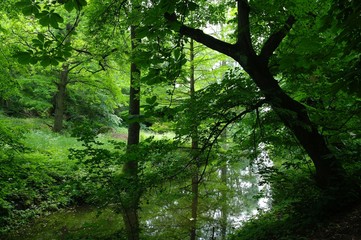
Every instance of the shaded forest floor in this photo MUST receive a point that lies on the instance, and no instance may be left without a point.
(342, 226)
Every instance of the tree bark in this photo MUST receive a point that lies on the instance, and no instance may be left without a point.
(224, 197)
(59, 107)
(130, 168)
(224, 206)
(194, 137)
(60, 104)
(195, 198)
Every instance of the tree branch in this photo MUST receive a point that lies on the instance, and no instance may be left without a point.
(205, 39)
(243, 31)
(275, 39)
(216, 131)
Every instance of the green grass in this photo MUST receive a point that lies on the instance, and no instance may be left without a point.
(29, 124)
(54, 145)
(73, 224)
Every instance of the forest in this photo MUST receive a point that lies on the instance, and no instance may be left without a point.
(180, 119)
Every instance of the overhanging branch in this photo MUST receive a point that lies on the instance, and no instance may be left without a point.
(205, 39)
(217, 130)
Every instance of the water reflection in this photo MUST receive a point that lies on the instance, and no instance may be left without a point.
(230, 195)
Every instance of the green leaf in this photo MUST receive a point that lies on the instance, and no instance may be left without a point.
(135, 118)
(142, 32)
(79, 4)
(47, 44)
(23, 57)
(34, 60)
(177, 53)
(45, 62)
(54, 62)
(53, 23)
(23, 3)
(67, 54)
(30, 10)
(83, 3)
(151, 100)
(44, 21)
(175, 26)
(69, 6)
(37, 43)
(41, 37)
(60, 59)
(44, 18)
(57, 18)
(50, 18)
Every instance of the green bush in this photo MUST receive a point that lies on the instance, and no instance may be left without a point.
(32, 183)
(32, 98)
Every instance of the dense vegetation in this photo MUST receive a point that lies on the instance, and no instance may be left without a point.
(178, 119)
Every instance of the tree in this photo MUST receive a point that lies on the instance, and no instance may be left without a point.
(195, 148)
(292, 113)
(58, 42)
(130, 168)
(59, 106)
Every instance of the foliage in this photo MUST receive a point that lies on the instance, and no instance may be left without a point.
(317, 64)
(299, 206)
(95, 103)
(31, 185)
(33, 98)
(100, 165)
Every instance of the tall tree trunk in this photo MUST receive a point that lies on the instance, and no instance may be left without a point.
(60, 104)
(130, 168)
(195, 155)
(59, 107)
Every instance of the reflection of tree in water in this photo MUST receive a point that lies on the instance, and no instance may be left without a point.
(244, 196)
(230, 194)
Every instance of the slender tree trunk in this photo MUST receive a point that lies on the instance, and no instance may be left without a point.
(195, 197)
(224, 198)
(224, 206)
(59, 107)
(195, 155)
(130, 168)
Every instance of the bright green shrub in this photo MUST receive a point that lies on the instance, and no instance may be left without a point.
(31, 181)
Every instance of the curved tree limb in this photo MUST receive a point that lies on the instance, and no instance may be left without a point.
(207, 40)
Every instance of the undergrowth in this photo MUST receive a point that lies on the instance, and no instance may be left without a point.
(299, 206)
(37, 178)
